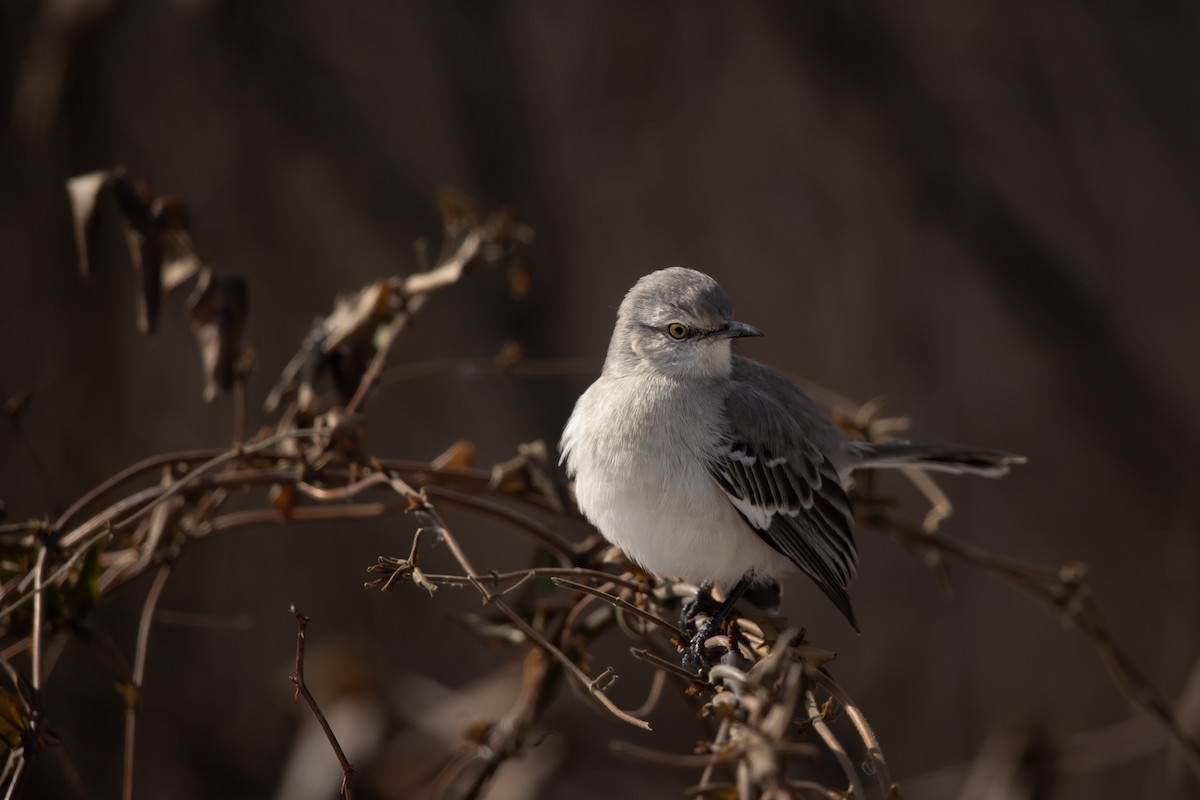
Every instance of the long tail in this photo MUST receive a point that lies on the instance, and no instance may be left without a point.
(940, 457)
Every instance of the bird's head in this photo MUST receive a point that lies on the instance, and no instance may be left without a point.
(676, 322)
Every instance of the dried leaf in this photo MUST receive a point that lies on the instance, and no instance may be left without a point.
(300, 375)
(356, 317)
(531, 469)
(14, 720)
(283, 497)
(156, 231)
(218, 309)
(460, 455)
(83, 191)
(348, 364)
(162, 253)
(344, 433)
(344, 343)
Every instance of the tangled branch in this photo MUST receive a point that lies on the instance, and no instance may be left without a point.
(766, 710)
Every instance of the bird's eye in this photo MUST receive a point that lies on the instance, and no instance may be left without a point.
(677, 330)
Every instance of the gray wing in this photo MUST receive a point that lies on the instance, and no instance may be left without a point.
(779, 478)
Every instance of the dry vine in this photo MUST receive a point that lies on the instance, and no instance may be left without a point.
(766, 708)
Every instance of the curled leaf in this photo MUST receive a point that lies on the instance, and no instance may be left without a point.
(160, 246)
(343, 342)
(356, 316)
(83, 191)
(532, 469)
(460, 455)
(156, 231)
(218, 308)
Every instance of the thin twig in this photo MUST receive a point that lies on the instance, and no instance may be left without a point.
(413, 292)
(229, 455)
(297, 680)
(572, 668)
(1066, 592)
(624, 605)
(38, 621)
(663, 664)
(817, 721)
(878, 764)
(520, 575)
(133, 699)
(659, 758)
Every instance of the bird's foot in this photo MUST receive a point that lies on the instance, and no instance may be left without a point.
(696, 656)
(702, 600)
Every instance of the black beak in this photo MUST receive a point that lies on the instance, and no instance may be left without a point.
(736, 330)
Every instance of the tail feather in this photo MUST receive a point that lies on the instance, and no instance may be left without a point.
(938, 457)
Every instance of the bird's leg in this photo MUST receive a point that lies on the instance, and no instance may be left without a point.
(701, 600)
(696, 657)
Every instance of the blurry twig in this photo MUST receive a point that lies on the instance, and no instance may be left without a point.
(422, 507)
(1064, 591)
(817, 719)
(297, 680)
(134, 691)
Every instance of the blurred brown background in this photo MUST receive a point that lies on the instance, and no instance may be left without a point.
(986, 211)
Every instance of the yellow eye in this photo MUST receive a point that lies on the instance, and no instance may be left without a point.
(677, 330)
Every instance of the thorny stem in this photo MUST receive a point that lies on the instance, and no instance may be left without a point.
(297, 680)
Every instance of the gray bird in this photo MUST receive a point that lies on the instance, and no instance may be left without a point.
(707, 466)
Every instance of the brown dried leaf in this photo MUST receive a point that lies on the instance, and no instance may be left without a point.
(218, 309)
(179, 259)
(356, 316)
(83, 191)
(300, 375)
(345, 434)
(162, 253)
(14, 719)
(156, 231)
(531, 469)
(460, 455)
(283, 497)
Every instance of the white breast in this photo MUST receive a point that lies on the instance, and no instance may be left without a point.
(640, 477)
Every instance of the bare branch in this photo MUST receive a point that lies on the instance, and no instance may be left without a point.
(297, 680)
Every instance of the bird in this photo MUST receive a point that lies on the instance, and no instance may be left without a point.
(706, 466)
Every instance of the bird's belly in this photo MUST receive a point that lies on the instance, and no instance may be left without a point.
(669, 516)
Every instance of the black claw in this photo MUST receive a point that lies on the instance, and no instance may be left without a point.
(696, 655)
(701, 601)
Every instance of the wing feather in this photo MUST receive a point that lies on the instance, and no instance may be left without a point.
(788, 492)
